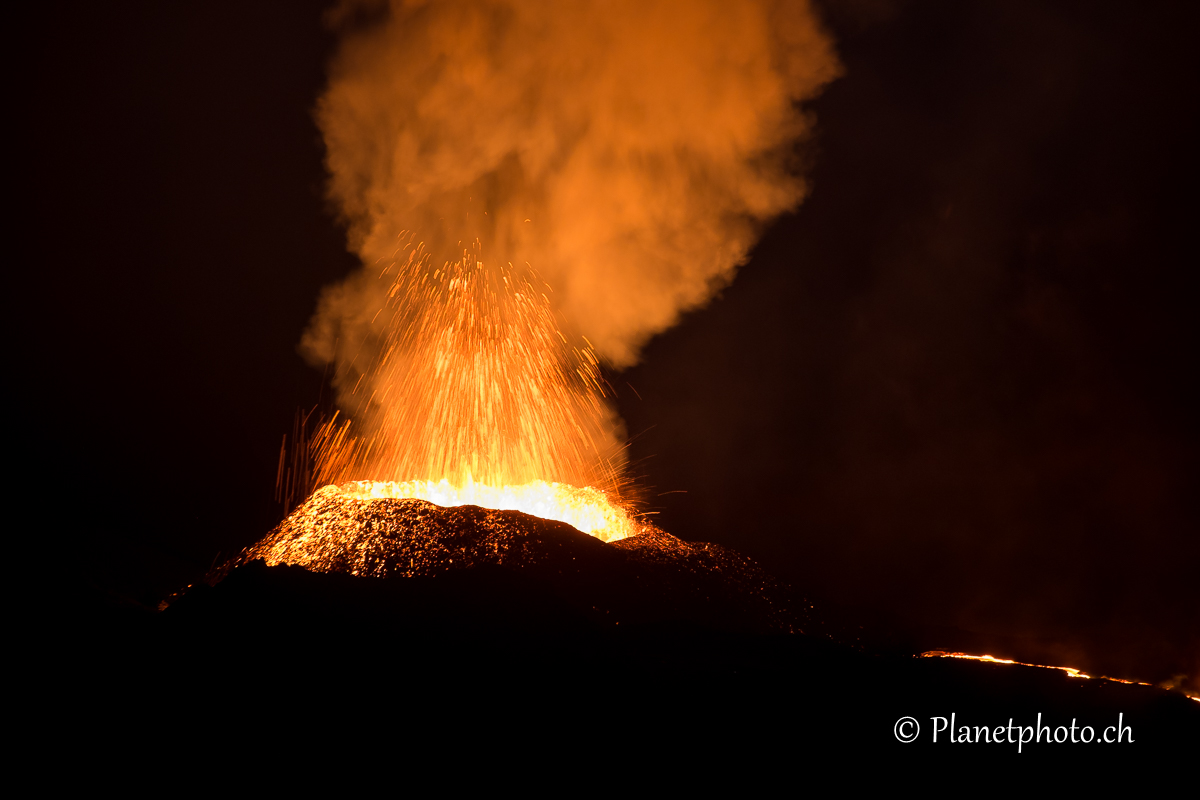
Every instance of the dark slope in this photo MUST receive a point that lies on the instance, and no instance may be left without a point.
(515, 622)
(652, 577)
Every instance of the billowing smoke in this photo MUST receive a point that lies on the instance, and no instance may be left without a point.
(629, 151)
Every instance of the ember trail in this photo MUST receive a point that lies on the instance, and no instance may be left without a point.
(475, 397)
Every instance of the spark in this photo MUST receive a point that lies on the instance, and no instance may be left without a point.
(475, 397)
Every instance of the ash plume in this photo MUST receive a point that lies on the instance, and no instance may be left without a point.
(629, 153)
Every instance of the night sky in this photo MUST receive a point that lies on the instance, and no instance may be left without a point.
(954, 392)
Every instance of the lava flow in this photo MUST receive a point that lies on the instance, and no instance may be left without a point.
(1071, 671)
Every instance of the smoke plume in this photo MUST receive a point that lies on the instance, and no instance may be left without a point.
(629, 152)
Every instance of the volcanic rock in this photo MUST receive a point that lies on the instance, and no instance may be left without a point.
(649, 578)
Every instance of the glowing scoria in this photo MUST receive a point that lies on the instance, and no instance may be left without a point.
(357, 527)
(630, 572)
(588, 510)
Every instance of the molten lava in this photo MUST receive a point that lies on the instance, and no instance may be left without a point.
(587, 510)
(469, 382)
(1071, 671)
(470, 394)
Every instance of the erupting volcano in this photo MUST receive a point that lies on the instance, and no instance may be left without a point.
(474, 397)
(478, 443)
(479, 431)
(473, 148)
(686, 377)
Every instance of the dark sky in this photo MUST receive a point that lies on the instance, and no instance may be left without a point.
(956, 388)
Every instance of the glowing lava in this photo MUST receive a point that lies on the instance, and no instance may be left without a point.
(1071, 671)
(468, 394)
(587, 510)
(467, 381)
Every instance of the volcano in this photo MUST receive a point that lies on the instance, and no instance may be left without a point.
(647, 579)
(449, 611)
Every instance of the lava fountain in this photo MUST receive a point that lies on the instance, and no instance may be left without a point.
(475, 407)
(475, 397)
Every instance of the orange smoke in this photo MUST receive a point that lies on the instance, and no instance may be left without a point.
(630, 152)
